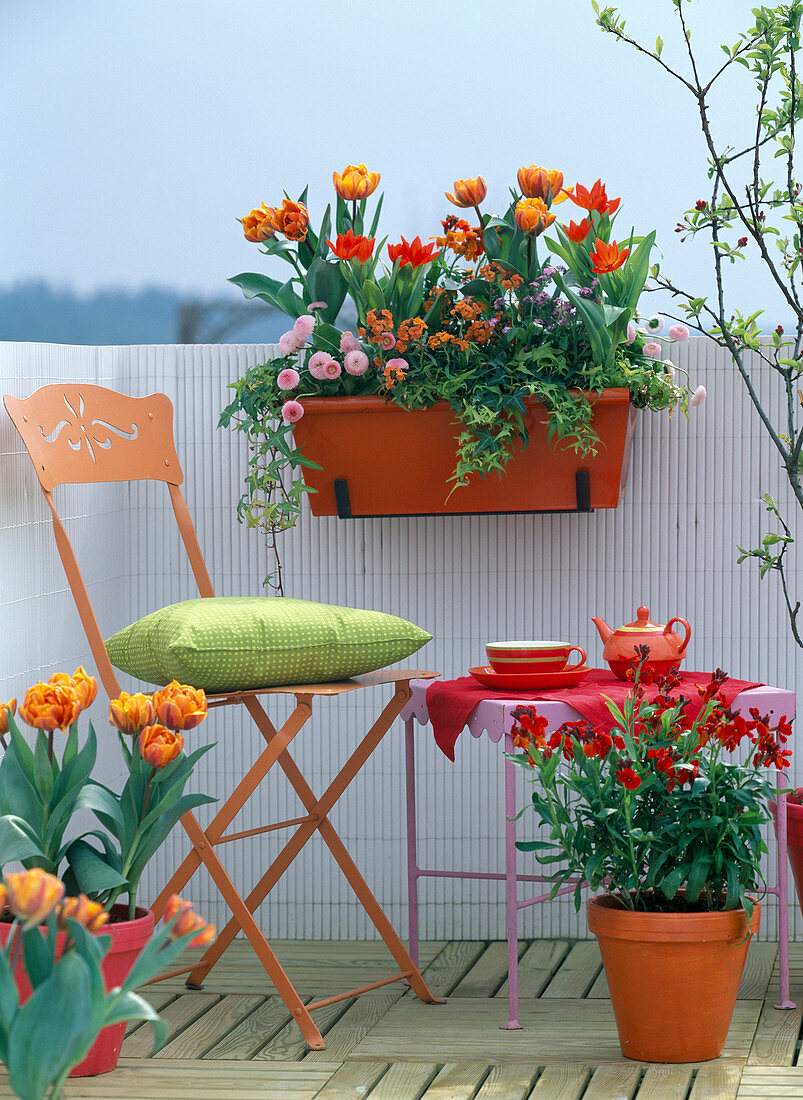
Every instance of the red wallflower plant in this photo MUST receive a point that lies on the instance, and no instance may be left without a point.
(662, 806)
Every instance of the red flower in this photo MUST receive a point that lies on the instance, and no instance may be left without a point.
(595, 199)
(628, 778)
(411, 252)
(349, 247)
(577, 233)
(607, 257)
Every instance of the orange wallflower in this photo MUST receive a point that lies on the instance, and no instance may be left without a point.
(258, 225)
(577, 233)
(540, 183)
(356, 182)
(159, 745)
(349, 247)
(607, 257)
(179, 706)
(131, 713)
(32, 895)
(7, 709)
(467, 309)
(379, 321)
(187, 920)
(413, 252)
(532, 215)
(395, 370)
(291, 219)
(595, 199)
(50, 706)
(90, 914)
(479, 332)
(469, 192)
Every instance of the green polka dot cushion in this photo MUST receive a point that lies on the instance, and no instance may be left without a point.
(226, 643)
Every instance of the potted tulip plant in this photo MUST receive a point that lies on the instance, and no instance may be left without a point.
(661, 811)
(52, 993)
(40, 794)
(502, 341)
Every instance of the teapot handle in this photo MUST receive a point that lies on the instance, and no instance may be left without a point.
(686, 640)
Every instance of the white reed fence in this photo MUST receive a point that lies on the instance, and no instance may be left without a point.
(692, 497)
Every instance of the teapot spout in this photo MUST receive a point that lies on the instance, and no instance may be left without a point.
(604, 630)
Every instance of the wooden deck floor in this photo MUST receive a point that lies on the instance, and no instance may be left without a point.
(235, 1038)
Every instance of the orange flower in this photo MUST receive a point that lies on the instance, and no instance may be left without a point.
(349, 247)
(540, 183)
(33, 894)
(532, 215)
(258, 225)
(131, 713)
(467, 309)
(467, 193)
(179, 706)
(411, 329)
(577, 233)
(50, 706)
(607, 257)
(291, 220)
(3, 900)
(356, 182)
(158, 745)
(479, 332)
(7, 709)
(187, 920)
(90, 914)
(412, 252)
(595, 199)
(86, 686)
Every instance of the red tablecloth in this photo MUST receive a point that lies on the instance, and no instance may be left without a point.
(450, 702)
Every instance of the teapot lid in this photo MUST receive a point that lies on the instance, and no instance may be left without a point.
(642, 624)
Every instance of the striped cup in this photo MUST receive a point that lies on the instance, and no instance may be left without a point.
(520, 658)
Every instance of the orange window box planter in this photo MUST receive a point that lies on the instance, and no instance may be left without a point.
(381, 460)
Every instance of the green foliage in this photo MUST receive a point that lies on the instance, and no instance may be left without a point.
(650, 803)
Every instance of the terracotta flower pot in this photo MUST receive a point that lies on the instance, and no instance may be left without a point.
(672, 977)
(794, 840)
(128, 939)
(398, 462)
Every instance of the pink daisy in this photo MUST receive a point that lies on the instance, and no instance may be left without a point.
(653, 348)
(303, 327)
(349, 342)
(316, 363)
(288, 343)
(292, 411)
(288, 379)
(387, 341)
(331, 369)
(317, 305)
(356, 362)
(631, 333)
(698, 396)
(678, 332)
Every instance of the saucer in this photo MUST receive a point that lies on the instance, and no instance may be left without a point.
(508, 681)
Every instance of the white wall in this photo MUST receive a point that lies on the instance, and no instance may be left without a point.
(692, 496)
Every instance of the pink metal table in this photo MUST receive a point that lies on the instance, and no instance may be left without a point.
(492, 716)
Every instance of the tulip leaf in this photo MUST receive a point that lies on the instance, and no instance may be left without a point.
(375, 220)
(93, 872)
(16, 842)
(373, 295)
(254, 285)
(9, 999)
(103, 803)
(325, 283)
(130, 1006)
(40, 955)
(289, 302)
(490, 241)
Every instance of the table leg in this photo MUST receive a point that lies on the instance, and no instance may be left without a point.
(511, 892)
(783, 898)
(412, 853)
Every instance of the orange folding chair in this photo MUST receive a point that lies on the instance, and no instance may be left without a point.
(82, 433)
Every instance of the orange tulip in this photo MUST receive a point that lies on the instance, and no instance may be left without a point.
(577, 233)
(355, 183)
(469, 192)
(539, 183)
(607, 257)
(187, 921)
(349, 247)
(412, 252)
(32, 895)
(86, 686)
(50, 706)
(595, 199)
(532, 215)
(7, 709)
(291, 219)
(159, 745)
(131, 713)
(90, 914)
(179, 706)
(258, 225)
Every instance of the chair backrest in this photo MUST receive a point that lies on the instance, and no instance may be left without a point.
(78, 433)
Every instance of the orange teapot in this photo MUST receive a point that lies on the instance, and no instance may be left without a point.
(666, 648)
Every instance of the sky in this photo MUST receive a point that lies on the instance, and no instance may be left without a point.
(134, 133)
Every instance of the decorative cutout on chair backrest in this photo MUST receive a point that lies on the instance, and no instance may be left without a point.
(78, 433)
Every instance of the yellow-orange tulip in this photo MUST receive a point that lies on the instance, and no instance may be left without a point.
(291, 219)
(355, 183)
(468, 192)
(90, 914)
(3, 899)
(7, 709)
(258, 225)
(50, 706)
(86, 686)
(33, 895)
(532, 215)
(159, 745)
(179, 706)
(131, 713)
(537, 183)
(188, 921)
